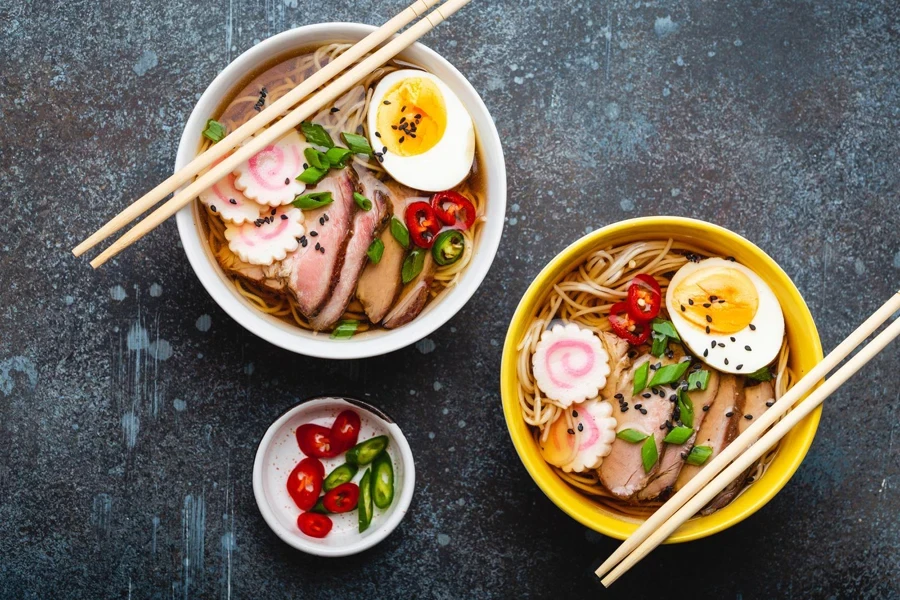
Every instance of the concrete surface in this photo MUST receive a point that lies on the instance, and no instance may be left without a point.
(130, 405)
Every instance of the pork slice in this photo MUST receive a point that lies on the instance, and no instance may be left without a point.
(380, 284)
(674, 455)
(413, 297)
(366, 226)
(619, 361)
(310, 274)
(259, 274)
(622, 471)
(720, 425)
(757, 400)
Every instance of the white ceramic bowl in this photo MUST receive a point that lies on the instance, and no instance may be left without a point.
(375, 342)
(278, 454)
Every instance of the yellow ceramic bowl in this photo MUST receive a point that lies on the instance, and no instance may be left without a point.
(806, 351)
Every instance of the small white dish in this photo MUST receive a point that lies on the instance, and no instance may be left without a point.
(278, 454)
(377, 341)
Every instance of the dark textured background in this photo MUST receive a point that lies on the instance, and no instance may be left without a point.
(126, 472)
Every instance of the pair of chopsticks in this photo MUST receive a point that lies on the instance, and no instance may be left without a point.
(264, 137)
(746, 450)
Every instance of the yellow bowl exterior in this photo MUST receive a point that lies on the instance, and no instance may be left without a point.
(803, 338)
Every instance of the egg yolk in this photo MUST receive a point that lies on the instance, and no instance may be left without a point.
(412, 117)
(721, 298)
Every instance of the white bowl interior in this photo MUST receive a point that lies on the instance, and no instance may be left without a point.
(378, 341)
(278, 454)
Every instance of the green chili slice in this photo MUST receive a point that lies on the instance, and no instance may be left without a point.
(344, 473)
(365, 501)
(448, 247)
(319, 508)
(365, 452)
(383, 480)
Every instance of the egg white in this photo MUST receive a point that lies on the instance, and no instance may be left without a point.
(764, 342)
(448, 162)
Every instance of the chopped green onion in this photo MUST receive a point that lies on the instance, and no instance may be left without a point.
(316, 134)
(344, 330)
(214, 131)
(669, 373)
(763, 374)
(698, 380)
(375, 251)
(686, 408)
(312, 175)
(699, 455)
(679, 435)
(357, 144)
(665, 328)
(632, 436)
(660, 344)
(400, 232)
(649, 453)
(337, 157)
(316, 159)
(362, 202)
(313, 200)
(640, 378)
(413, 265)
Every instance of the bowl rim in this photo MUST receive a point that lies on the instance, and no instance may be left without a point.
(585, 512)
(272, 329)
(404, 498)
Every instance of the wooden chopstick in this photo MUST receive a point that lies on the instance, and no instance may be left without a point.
(694, 496)
(272, 112)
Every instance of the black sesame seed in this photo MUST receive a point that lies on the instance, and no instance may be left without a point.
(287, 181)
(707, 329)
(770, 403)
(232, 200)
(394, 127)
(212, 208)
(418, 116)
(304, 242)
(713, 298)
(751, 479)
(325, 216)
(384, 150)
(739, 367)
(726, 361)
(748, 417)
(708, 319)
(706, 353)
(575, 413)
(571, 431)
(313, 233)
(683, 308)
(748, 349)
(731, 258)
(619, 396)
(732, 339)
(273, 212)
(403, 109)
(580, 427)
(284, 217)
(402, 120)
(706, 305)
(712, 344)
(387, 102)
(643, 411)
(752, 327)
(322, 249)
(305, 166)
(721, 345)
(684, 455)
(663, 426)
(673, 398)
(638, 406)
(402, 139)
(646, 394)
(378, 135)
(691, 302)
(624, 408)
(729, 413)
(705, 407)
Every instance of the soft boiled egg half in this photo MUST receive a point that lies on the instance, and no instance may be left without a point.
(422, 129)
(726, 314)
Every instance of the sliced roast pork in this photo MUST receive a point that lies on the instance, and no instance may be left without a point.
(263, 275)
(720, 425)
(380, 284)
(756, 400)
(673, 456)
(413, 297)
(622, 472)
(619, 361)
(366, 226)
(312, 272)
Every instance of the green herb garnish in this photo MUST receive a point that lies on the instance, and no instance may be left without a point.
(312, 175)
(660, 344)
(313, 200)
(685, 408)
(400, 232)
(214, 131)
(413, 265)
(665, 328)
(375, 251)
(337, 157)
(679, 435)
(362, 202)
(357, 143)
(649, 453)
(762, 374)
(669, 373)
(344, 330)
(698, 380)
(699, 455)
(316, 159)
(640, 378)
(632, 436)
(316, 134)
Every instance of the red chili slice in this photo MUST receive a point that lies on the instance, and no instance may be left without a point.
(314, 525)
(453, 209)
(305, 482)
(422, 223)
(315, 440)
(343, 498)
(626, 326)
(345, 430)
(644, 297)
